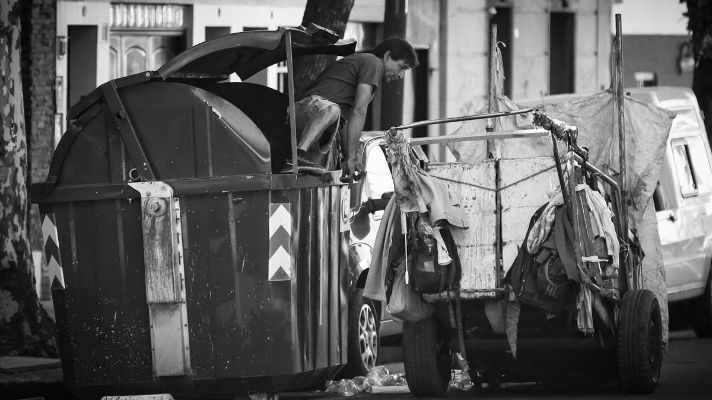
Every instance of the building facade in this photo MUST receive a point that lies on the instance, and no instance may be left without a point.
(657, 48)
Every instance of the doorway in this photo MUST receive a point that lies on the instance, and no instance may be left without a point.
(561, 59)
(81, 61)
(133, 53)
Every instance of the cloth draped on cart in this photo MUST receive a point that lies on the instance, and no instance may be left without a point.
(415, 191)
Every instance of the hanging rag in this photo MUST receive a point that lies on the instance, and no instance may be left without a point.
(602, 221)
(542, 227)
(416, 190)
(374, 287)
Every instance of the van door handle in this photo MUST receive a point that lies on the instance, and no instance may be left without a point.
(672, 217)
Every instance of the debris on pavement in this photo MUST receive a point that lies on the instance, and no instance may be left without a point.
(378, 376)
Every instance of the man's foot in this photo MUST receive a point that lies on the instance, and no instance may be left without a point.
(303, 166)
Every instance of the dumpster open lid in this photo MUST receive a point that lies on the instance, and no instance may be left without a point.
(246, 53)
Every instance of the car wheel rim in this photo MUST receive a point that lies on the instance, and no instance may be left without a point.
(367, 336)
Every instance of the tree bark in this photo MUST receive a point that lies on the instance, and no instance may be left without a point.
(394, 21)
(25, 327)
(332, 14)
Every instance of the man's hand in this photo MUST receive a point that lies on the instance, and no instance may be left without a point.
(355, 167)
(352, 170)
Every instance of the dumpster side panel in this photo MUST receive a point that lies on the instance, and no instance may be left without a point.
(104, 300)
(242, 323)
(239, 322)
(319, 278)
(312, 278)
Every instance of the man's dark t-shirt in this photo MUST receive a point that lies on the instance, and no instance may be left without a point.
(338, 82)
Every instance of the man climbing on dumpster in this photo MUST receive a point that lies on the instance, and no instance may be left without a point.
(342, 92)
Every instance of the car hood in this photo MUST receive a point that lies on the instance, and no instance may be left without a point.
(246, 53)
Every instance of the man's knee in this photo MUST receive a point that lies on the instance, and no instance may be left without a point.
(329, 115)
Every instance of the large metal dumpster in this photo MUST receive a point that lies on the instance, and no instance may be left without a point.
(181, 261)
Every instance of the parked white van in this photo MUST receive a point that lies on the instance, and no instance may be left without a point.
(683, 201)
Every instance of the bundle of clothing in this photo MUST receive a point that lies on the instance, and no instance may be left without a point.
(546, 273)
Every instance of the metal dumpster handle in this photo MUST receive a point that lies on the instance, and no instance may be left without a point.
(127, 131)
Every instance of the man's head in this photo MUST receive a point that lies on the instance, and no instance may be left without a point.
(398, 56)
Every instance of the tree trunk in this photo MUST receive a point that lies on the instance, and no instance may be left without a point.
(25, 327)
(394, 21)
(332, 14)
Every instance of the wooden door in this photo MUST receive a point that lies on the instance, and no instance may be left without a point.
(135, 53)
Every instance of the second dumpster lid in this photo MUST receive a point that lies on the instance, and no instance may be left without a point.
(246, 53)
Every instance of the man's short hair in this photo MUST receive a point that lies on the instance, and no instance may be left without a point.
(400, 50)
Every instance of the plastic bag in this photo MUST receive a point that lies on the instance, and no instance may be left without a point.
(346, 387)
(377, 376)
(405, 304)
(461, 381)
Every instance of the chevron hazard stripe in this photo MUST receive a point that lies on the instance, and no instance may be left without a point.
(51, 249)
(280, 242)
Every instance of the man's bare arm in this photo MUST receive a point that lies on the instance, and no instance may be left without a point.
(354, 127)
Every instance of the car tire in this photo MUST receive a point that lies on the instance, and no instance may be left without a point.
(427, 358)
(639, 344)
(702, 322)
(363, 341)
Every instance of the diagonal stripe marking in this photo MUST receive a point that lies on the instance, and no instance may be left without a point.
(54, 270)
(51, 251)
(280, 217)
(49, 229)
(280, 259)
(279, 239)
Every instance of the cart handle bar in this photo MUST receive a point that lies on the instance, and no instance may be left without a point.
(561, 131)
(591, 168)
(427, 122)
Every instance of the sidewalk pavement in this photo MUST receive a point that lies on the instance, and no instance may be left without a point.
(32, 377)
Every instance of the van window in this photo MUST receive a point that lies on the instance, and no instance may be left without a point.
(684, 169)
(700, 165)
(685, 120)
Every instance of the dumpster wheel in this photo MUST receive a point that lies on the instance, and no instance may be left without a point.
(426, 357)
(639, 342)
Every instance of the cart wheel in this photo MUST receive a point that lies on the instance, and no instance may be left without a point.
(703, 318)
(639, 342)
(426, 357)
(363, 337)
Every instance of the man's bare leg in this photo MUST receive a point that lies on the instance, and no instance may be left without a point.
(316, 126)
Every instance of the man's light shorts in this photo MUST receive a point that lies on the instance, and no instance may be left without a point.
(310, 106)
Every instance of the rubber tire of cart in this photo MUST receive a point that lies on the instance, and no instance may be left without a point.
(427, 358)
(639, 342)
(355, 364)
(702, 321)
